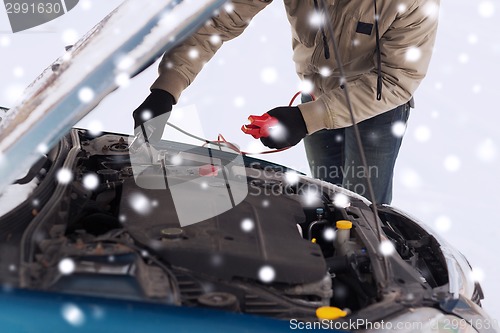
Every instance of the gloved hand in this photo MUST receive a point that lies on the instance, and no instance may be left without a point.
(290, 130)
(152, 115)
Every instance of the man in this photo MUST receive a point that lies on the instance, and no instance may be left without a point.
(384, 62)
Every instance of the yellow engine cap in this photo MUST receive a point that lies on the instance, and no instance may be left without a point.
(344, 224)
(330, 313)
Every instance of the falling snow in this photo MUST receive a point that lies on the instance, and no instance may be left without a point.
(386, 248)
(329, 234)
(86, 4)
(398, 129)
(194, 53)
(239, 102)
(4, 41)
(463, 58)
(409, 178)
(341, 200)
(64, 176)
(247, 225)
(140, 203)
(267, 274)
(122, 80)
(452, 163)
(73, 314)
(422, 133)
(69, 37)
(215, 39)
(90, 181)
(42, 148)
(486, 151)
(306, 86)
(477, 274)
(413, 54)
(269, 75)
(486, 9)
(18, 72)
(325, 71)
(66, 266)
(442, 223)
(316, 19)
(86, 95)
(95, 127)
(292, 177)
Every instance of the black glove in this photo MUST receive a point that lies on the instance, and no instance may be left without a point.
(290, 129)
(152, 115)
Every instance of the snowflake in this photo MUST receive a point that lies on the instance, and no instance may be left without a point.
(73, 314)
(477, 274)
(325, 71)
(278, 132)
(386, 248)
(64, 176)
(486, 151)
(422, 133)
(229, 7)
(341, 200)
(12, 268)
(472, 39)
(86, 4)
(329, 234)
(267, 274)
(476, 89)
(402, 8)
(442, 223)
(438, 85)
(13, 94)
(122, 218)
(398, 129)
(269, 75)
(265, 203)
(306, 86)
(69, 36)
(239, 102)
(247, 225)
(486, 9)
(204, 185)
(146, 115)
(452, 163)
(66, 266)
(18, 71)
(194, 53)
(86, 94)
(316, 19)
(125, 63)
(409, 178)
(122, 80)
(176, 160)
(90, 181)
(215, 39)
(42, 148)
(140, 203)
(413, 54)
(4, 41)
(95, 127)
(292, 177)
(463, 58)
(431, 9)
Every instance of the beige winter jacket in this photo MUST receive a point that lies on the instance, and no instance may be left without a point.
(407, 34)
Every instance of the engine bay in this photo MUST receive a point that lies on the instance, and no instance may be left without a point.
(285, 249)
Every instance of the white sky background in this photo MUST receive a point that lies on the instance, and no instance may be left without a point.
(447, 173)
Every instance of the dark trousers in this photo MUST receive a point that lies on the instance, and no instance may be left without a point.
(333, 155)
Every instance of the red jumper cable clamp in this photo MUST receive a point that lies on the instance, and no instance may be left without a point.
(259, 125)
